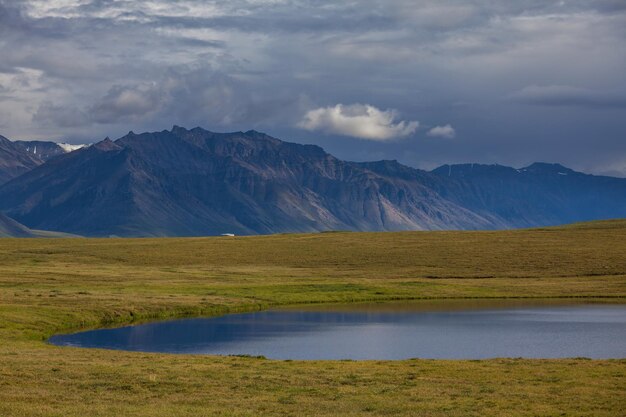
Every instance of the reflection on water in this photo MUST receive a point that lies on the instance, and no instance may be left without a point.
(450, 329)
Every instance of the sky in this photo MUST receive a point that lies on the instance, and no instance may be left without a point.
(425, 82)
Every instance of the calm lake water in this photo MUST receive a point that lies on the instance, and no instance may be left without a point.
(450, 330)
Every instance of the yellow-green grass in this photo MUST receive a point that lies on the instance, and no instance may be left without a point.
(54, 285)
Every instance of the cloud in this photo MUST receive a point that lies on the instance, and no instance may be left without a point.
(358, 120)
(120, 104)
(84, 69)
(49, 114)
(126, 103)
(615, 168)
(564, 95)
(446, 132)
(190, 97)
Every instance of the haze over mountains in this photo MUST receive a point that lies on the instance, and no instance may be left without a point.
(196, 182)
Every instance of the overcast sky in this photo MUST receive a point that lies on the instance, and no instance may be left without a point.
(425, 82)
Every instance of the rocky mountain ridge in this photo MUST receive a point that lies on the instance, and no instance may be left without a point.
(196, 182)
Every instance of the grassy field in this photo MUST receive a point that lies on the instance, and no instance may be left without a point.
(54, 285)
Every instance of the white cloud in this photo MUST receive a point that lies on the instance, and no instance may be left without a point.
(446, 132)
(358, 120)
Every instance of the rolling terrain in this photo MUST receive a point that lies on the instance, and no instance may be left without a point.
(196, 182)
(49, 286)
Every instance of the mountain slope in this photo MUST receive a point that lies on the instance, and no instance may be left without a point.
(11, 228)
(46, 150)
(540, 194)
(14, 160)
(194, 182)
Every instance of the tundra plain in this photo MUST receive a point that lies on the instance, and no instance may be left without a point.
(49, 286)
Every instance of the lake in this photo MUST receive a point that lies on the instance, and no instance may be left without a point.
(441, 330)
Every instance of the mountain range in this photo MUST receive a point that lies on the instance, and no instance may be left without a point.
(45, 150)
(196, 182)
(14, 160)
(19, 157)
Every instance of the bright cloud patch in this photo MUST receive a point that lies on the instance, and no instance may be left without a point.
(359, 121)
(446, 131)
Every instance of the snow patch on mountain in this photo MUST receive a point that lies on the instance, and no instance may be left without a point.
(70, 148)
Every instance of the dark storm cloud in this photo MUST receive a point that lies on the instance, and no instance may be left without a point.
(195, 95)
(562, 95)
(50, 114)
(84, 69)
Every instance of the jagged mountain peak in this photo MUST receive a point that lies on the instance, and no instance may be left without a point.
(250, 145)
(387, 163)
(393, 168)
(106, 145)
